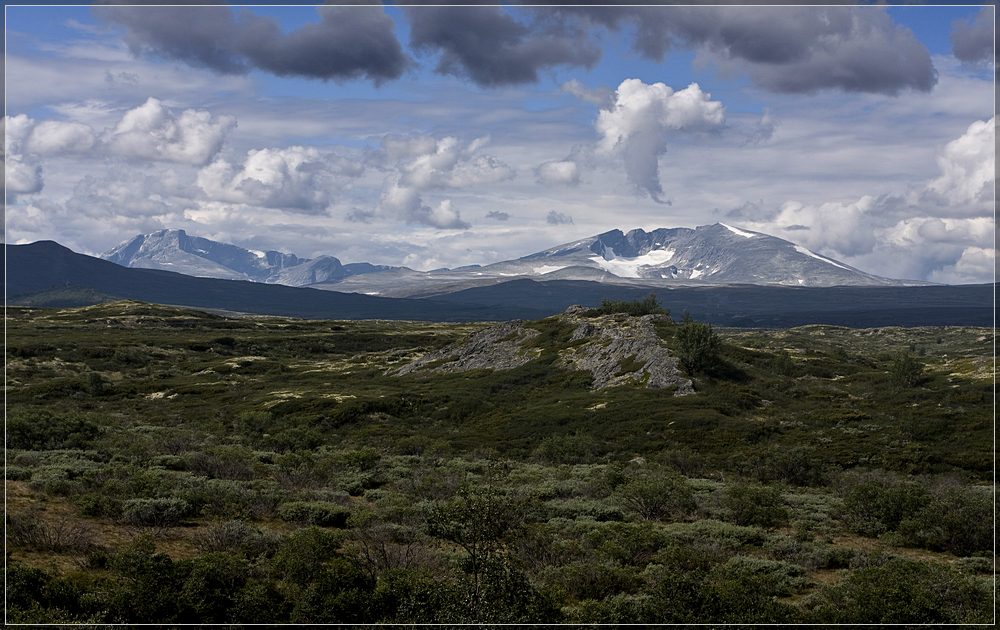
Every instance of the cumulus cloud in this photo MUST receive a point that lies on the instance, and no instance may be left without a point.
(21, 177)
(972, 42)
(782, 49)
(153, 132)
(421, 163)
(295, 178)
(497, 215)
(349, 42)
(52, 137)
(558, 218)
(406, 203)
(968, 164)
(565, 173)
(635, 127)
(488, 46)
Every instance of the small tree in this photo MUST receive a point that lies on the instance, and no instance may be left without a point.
(905, 371)
(697, 344)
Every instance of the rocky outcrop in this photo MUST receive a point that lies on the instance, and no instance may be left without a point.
(623, 350)
(616, 349)
(494, 348)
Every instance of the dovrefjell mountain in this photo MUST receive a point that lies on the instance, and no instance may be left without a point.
(707, 255)
(175, 250)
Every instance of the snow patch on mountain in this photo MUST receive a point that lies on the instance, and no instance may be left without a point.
(629, 267)
(803, 250)
(544, 269)
(738, 231)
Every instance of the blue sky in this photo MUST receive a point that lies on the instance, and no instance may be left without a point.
(433, 136)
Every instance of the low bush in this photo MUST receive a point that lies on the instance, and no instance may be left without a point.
(320, 513)
(155, 513)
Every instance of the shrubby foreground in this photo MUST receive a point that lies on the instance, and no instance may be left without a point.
(169, 466)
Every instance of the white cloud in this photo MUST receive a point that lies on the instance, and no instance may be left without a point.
(976, 265)
(968, 164)
(52, 137)
(634, 127)
(296, 178)
(420, 164)
(565, 173)
(153, 132)
(21, 177)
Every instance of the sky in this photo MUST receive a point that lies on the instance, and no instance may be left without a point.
(430, 136)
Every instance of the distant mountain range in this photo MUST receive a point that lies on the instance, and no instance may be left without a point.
(47, 274)
(707, 255)
(174, 250)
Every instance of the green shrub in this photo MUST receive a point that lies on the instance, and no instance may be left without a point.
(319, 513)
(655, 496)
(906, 592)
(962, 522)
(905, 371)
(697, 345)
(878, 506)
(648, 305)
(750, 504)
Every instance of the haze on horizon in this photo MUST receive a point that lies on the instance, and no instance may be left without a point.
(445, 136)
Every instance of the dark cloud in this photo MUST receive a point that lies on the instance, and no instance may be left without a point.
(490, 47)
(348, 42)
(972, 42)
(558, 218)
(496, 214)
(782, 49)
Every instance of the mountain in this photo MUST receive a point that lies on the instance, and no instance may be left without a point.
(175, 250)
(47, 274)
(666, 257)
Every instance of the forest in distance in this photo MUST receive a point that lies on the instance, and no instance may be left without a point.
(614, 465)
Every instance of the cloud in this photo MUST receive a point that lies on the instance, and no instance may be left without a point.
(421, 163)
(558, 218)
(968, 165)
(406, 203)
(936, 231)
(634, 128)
(52, 137)
(762, 131)
(565, 173)
(491, 48)
(295, 178)
(602, 96)
(972, 42)
(349, 42)
(21, 177)
(153, 132)
(497, 215)
(782, 49)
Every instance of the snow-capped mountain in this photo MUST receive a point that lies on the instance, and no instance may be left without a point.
(716, 253)
(706, 255)
(174, 250)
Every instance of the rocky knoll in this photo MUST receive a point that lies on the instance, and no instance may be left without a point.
(621, 350)
(615, 349)
(494, 348)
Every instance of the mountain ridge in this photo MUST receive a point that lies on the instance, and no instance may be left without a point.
(705, 255)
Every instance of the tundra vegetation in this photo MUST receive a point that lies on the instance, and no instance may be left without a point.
(172, 466)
